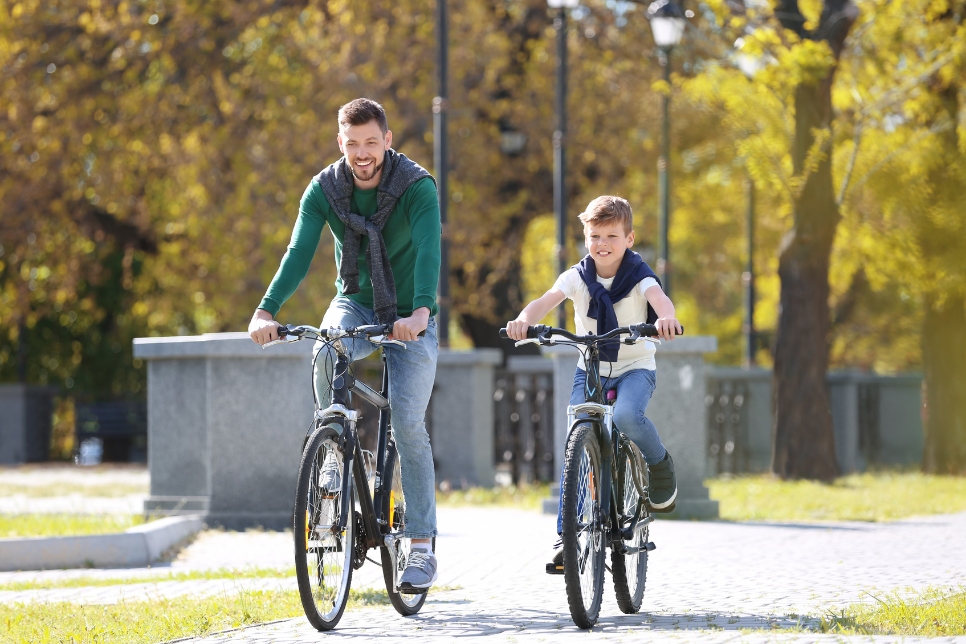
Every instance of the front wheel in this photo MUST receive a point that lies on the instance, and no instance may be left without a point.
(630, 568)
(583, 535)
(323, 550)
(394, 512)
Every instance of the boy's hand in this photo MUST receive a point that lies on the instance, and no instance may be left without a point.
(668, 327)
(517, 329)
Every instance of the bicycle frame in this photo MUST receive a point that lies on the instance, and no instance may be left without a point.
(601, 417)
(343, 382)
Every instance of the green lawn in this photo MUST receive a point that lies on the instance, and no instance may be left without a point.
(525, 497)
(62, 525)
(157, 620)
(216, 573)
(931, 613)
(881, 496)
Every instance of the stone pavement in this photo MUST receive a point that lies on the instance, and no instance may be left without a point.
(706, 580)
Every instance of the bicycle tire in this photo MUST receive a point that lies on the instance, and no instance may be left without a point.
(394, 511)
(583, 538)
(324, 592)
(630, 570)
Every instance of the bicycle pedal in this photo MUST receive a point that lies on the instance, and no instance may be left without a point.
(650, 545)
(554, 569)
(409, 590)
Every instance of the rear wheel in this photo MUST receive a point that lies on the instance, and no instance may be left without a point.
(630, 568)
(394, 512)
(583, 537)
(323, 551)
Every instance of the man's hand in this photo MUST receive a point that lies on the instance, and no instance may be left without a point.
(668, 327)
(263, 328)
(517, 329)
(408, 329)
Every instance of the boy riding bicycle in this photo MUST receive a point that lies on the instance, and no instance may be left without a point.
(611, 287)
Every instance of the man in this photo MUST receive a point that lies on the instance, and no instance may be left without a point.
(383, 211)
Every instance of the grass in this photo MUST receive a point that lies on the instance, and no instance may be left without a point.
(65, 488)
(525, 497)
(859, 497)
(930, 613)
(157, 620)
(86, 581)
(62, 525)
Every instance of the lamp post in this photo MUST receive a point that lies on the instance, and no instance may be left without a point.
(440, 105)
(749, 278)
(559, 141)
(667, 25)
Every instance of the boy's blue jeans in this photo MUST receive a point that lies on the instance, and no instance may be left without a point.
(634, 391)
(412, 372)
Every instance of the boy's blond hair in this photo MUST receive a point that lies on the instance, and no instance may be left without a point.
(607, 209)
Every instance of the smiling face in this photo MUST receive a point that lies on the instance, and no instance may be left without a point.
(364, 147)
(606, 243)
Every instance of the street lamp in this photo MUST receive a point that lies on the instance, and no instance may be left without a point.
(667, 24)
(559, 141)
(440, 105)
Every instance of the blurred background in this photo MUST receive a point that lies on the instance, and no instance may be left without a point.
(153, 153)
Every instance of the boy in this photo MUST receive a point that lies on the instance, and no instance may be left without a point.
(611, 287)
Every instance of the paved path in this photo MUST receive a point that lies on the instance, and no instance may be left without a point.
(706, 580)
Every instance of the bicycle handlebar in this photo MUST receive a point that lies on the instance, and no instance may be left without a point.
(542, 331)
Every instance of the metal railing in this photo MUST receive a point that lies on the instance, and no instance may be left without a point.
(523, 415)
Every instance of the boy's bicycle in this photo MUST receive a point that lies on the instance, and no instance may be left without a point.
(348, 500)
(603, 490)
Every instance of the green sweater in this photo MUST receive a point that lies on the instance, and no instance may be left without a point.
(411, 234)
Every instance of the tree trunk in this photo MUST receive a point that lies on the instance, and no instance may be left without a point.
(804, 443)
(944, 362)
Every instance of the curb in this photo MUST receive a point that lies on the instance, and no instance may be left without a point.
(138, 546)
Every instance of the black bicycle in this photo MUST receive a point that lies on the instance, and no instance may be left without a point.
(604, 487)
(348, 500)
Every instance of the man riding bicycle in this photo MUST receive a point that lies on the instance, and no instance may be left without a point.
(383, 211)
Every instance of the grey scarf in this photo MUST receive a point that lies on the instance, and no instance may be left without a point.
(398, 174)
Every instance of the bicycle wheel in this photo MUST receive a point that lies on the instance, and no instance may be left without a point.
(630, 569)
(323, 552)
(583, 538)
(394, 511)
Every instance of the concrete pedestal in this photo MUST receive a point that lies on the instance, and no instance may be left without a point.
(226, 421)
(25, 419)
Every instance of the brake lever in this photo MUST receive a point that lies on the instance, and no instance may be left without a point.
(286, 339)
(520, 343)
(381, 339)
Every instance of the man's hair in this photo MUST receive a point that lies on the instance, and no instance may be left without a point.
(362, 111)
(606, 209)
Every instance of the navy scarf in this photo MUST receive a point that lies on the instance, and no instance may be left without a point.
(632, 270)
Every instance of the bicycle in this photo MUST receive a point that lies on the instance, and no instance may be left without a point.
(603, 488)
(335, 527)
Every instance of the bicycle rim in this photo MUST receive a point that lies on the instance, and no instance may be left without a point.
(323, 552)
(395, 514)
(630, 569)
(583, 538)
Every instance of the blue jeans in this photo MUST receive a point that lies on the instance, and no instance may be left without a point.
(634, 391)
(412, 372)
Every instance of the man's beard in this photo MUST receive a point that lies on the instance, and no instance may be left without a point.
(374, 171)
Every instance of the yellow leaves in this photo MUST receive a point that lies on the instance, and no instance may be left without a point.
(17, 10)
(661, 87)
(807, 62)
(39, 124)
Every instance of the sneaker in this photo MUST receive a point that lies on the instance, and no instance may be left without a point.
(556, 566)
(420, 572)
(330, 479)
(662, 487)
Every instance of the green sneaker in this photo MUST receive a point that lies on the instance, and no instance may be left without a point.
(662, 487)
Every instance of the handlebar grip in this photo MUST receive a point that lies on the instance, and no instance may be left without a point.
(532, 331)
(283, 330)
(650, 330)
